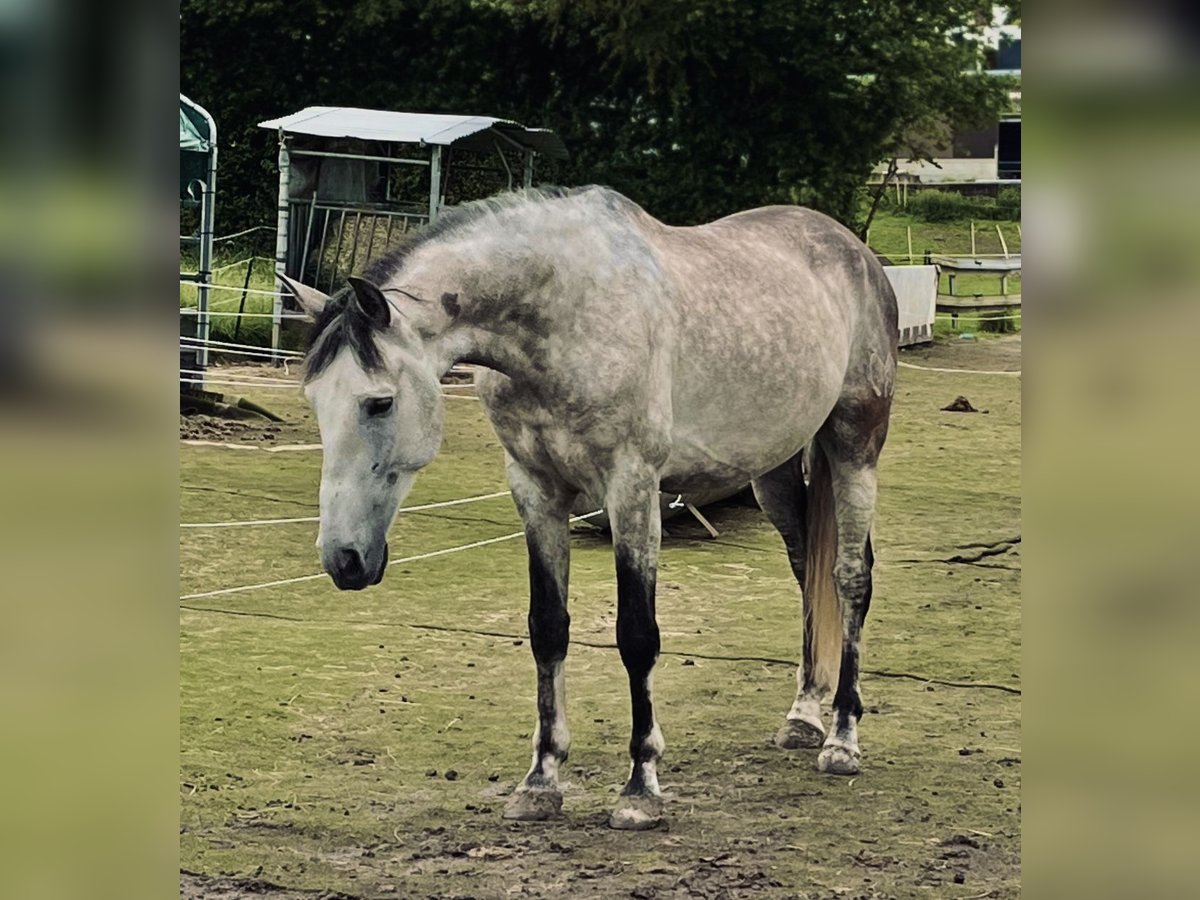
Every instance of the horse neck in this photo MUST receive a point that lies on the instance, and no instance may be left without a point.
(501, 311)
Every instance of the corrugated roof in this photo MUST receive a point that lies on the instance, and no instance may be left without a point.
(467, 132)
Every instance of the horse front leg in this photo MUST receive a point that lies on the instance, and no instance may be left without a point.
(545, 512)
(637, 531)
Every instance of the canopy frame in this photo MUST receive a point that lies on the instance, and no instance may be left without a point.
(333, 160)
(192, 141)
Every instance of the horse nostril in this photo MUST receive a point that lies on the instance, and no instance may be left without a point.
(350, 562)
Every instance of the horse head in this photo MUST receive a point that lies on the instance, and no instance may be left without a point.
(379, 408)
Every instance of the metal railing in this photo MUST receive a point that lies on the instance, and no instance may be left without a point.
(338, 239)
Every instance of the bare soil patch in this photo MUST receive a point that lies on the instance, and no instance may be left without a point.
(1002, 354)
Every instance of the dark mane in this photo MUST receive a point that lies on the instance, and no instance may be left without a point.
(343, 324)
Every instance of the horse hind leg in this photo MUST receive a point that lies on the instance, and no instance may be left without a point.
(845, 458)
(784, 498)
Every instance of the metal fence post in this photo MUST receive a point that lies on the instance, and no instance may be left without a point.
(281, 246)
(435, 182)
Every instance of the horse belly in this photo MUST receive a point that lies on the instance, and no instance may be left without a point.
(741, 409)
(731, 446)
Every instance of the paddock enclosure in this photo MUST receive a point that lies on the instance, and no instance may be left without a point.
(361, 744)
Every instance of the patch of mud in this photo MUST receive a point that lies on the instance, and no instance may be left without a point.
(1001, 354)
(965, 859)
(193, 886)
(214, 428)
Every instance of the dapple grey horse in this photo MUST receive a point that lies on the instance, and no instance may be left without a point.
(622, 355)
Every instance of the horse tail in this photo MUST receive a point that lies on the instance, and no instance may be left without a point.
(822, 609)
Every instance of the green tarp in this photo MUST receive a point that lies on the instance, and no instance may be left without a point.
(189, 135)
(195, 144)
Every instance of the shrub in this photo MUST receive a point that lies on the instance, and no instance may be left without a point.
(933, 205)
(940, 206)
(1008, 201)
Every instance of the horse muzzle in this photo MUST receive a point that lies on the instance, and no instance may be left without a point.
(350, 571)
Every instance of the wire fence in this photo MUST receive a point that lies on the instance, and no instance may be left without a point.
(443, 504)
(219, 592)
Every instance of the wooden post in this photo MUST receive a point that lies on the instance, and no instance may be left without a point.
(908, 228)
(1003, 243)
(708, 526)
(973, 237)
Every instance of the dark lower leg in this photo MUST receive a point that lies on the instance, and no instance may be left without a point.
(633, 510)
(638, 641)
(549, 633)
(547, 537)
(841, 753)
(856, 591)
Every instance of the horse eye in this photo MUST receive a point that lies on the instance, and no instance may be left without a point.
(378, 406)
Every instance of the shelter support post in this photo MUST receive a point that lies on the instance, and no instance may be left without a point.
(281, 246)
(435, 182)
(208, 204)
(504, 163)
(529, 155)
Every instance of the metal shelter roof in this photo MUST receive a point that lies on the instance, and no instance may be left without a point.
(466, 132)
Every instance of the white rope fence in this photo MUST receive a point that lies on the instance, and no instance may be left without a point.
(395, 562)
(972, 317)
(238, 234)
(232, 347)
(254, 354)
(908, 365)
(256, 379)
(193, 376)
(237, 288)
(193, 311)
(229, 382)
(406, 509)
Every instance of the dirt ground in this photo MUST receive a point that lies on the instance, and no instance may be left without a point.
(361, 745)
(1001, 353)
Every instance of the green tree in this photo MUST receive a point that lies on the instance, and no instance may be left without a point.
(694, 108)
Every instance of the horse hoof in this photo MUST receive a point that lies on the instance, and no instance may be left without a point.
(639, 812)
(800, 734)
(533, 805)
(838, 759)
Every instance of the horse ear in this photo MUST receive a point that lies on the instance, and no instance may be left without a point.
(371, 301)
(310, 299)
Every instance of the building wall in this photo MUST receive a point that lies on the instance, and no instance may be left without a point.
(979, 169)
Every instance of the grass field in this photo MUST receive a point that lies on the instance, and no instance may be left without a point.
(363, 743)
(889, 236)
